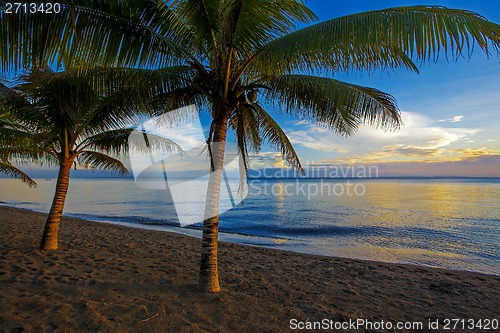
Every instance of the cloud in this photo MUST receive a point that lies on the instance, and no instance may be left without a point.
(316, 138)
(454, 119)
(476, 166)
(419, 138)
(402, 150)
(469, 152)
(265, 160)
(302, 122)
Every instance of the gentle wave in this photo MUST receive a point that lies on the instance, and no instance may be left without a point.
(450, 223)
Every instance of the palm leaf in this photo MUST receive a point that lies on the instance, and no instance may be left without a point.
(271, 132)
(129, 92)
(252, 129)
(202, 17)
(114, 32)
(265, 20)
(175, 99)
(338, 105)
(382, 38)
(101, 161)
(154, 143)
(74, 111)
(15, 137)
(253, 125)
(114, 141)
(7, 168)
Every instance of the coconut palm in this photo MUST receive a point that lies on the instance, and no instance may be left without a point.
(70, 118)
(246, 58)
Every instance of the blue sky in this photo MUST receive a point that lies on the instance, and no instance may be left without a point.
(450, 111)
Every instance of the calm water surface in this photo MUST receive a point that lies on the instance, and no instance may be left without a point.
(449, 223)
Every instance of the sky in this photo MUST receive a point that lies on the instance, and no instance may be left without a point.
(450, 112)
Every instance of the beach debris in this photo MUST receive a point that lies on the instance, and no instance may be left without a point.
(148, 319)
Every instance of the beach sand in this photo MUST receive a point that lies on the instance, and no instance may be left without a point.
(107, 278)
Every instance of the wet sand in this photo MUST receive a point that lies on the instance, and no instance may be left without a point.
(107, 278)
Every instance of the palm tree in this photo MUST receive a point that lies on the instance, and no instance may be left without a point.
(243, 57)
(68, 118)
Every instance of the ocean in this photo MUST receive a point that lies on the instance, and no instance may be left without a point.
(447, 223)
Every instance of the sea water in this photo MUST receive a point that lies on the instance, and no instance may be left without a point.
(448, 223)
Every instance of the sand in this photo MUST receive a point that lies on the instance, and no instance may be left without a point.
(108, 278)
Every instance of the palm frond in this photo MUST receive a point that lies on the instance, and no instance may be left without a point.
(272, 132)
(240, 127)
(128, 92)
(114, 32)
(175, 99)
(202, 17)
(89, 102)
(252, 129)
(27, 152)
(110, 142)
(380, 39)
(7, 168)
(74, 111)
(265, 20)
(154, 143)
(97, 160)
(9, 95)
(15, 137)
(338, 105)
(13, 101)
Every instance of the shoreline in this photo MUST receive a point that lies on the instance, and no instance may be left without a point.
(234, 238)
(113, 278)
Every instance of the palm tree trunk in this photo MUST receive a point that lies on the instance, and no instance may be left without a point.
(209, 272)
(51, 231)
